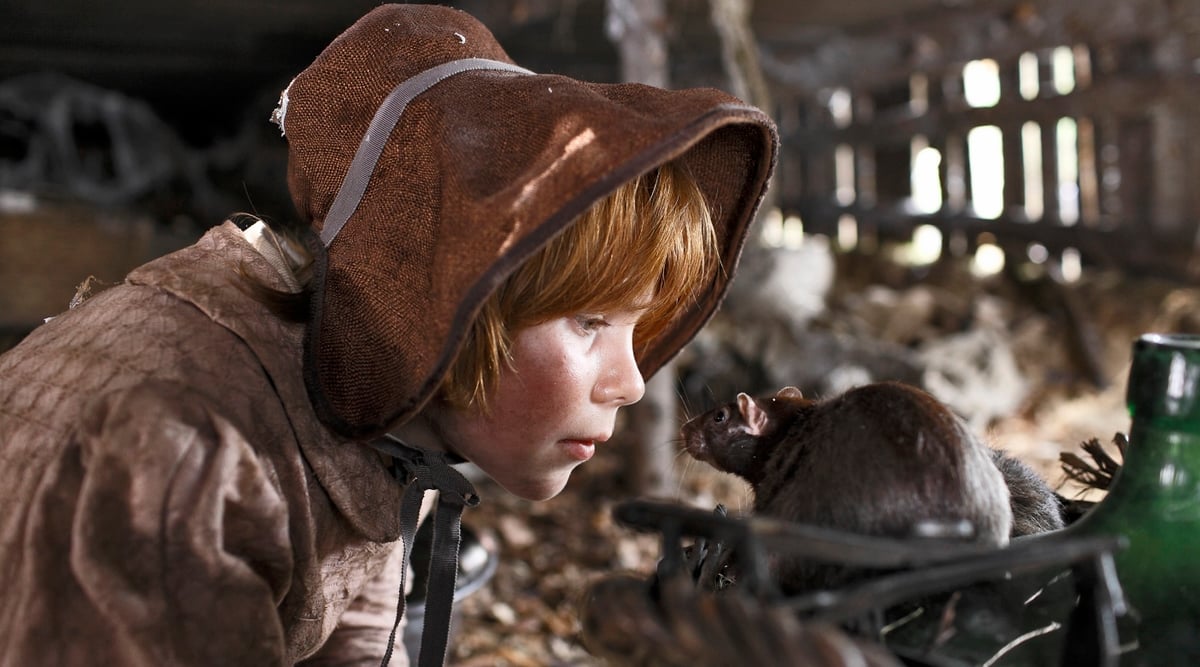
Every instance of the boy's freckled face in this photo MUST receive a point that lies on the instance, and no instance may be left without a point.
(559, 398)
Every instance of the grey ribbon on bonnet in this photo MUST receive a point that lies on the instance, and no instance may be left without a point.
(363, 165)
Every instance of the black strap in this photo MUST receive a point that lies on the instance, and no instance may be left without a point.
(420, 471)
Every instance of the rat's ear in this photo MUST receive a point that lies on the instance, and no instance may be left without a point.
(789, 392)
(754, 416)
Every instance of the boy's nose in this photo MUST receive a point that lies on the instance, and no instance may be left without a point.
(622, 383)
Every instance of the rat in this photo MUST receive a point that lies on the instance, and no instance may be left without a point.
(883, 459)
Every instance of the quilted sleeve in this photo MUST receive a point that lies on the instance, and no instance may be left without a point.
(157, 537)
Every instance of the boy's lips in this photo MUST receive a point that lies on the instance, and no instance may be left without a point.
(581, 450)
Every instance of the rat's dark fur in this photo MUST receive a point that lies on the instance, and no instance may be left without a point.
(880, 459)
(1036, 508)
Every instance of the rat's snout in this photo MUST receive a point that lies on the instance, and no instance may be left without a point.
(694, 442)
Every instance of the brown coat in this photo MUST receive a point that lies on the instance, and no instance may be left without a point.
(171, 411)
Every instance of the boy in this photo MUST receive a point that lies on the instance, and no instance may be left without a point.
(490, 261)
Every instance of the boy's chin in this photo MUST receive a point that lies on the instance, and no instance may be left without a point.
(537, 490)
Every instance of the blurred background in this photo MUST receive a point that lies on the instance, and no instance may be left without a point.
(987, 198)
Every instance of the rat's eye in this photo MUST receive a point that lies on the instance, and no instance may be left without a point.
(721, 416)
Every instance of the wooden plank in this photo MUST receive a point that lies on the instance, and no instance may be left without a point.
(1125, 96)
(1126, 246)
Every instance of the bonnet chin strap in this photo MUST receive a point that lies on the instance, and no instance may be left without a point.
(386, 116)
(420, 471)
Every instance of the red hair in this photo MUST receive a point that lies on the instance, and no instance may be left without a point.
(653, 234)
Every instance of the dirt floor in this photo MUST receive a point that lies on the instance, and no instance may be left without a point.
(528, 615)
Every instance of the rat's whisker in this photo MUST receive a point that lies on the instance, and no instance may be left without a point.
(685, 406)
(687, 468)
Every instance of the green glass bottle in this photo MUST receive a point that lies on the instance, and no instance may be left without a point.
(1154, 502)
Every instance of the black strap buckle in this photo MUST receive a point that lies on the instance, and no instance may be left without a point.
(420, 471)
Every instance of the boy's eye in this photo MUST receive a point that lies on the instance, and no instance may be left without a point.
(590, 322)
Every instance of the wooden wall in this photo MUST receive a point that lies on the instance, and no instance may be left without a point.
(855, 108)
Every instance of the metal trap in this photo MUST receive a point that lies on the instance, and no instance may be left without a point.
(1051, 599)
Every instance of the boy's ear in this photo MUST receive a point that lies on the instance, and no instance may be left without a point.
(754, 416)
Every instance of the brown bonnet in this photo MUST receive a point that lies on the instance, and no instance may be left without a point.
(472, 165)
